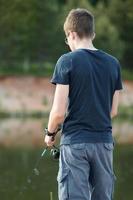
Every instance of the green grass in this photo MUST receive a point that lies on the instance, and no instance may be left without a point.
(123, 113)
(127, 74)
(34, 69)
(126, 111)
(45, 70)
(23, 114)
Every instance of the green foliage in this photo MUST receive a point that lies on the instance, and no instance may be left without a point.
(127, 74)
(121, 15)
(26, 68)
(23, 114)
(32, 32)
(28, 29)
(107, 35)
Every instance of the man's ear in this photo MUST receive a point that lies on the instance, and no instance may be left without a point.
(74, 35)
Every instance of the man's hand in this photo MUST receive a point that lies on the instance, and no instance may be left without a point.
(49, 140)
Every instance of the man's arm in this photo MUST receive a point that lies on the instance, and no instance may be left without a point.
(58, 110)
(115, 103)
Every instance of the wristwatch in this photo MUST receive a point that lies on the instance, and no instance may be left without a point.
(49, 133)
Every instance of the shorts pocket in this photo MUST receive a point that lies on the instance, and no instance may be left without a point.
(62, 174)
(108, 146)
(62, 179)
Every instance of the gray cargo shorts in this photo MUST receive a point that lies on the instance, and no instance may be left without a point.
(86, 172)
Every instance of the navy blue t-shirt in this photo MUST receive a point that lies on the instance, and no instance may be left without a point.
(92, 76)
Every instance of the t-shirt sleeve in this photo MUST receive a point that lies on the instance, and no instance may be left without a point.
(61, 73)
(118, 85)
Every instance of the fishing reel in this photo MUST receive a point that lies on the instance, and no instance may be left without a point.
(55, 152)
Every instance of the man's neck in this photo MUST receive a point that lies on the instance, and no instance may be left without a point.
(85, 44)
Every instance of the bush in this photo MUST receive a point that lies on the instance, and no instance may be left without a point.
(107, 35)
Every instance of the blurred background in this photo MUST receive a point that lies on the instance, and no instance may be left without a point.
(31, 41)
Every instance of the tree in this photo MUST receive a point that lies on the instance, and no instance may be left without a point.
(121, 15)
(107, 35)
(28, 29)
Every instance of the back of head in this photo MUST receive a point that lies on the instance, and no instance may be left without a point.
(80, 21)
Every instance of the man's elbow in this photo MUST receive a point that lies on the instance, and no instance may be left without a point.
(59, 117)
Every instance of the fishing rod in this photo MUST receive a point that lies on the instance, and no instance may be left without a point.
(55, 153)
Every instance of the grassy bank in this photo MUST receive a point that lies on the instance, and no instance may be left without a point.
(44, 70)
(127, 74)
(34, 69)
(124, 113)
(33, 114)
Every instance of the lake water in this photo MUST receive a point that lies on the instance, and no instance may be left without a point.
(21, 144)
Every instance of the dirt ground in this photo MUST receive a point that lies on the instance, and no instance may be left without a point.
(25, 94)
(36, 94)
(20, 94)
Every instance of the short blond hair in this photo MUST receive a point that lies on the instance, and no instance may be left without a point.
(81, 21)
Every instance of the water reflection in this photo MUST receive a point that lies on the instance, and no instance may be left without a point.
(21, 144)
(22, 132)
(123, 161)
(29, 132)
(123, 131)
(16, 165)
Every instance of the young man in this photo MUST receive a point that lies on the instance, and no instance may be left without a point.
(87, 81)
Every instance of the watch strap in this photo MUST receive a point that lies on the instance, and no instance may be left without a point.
(49, 133)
